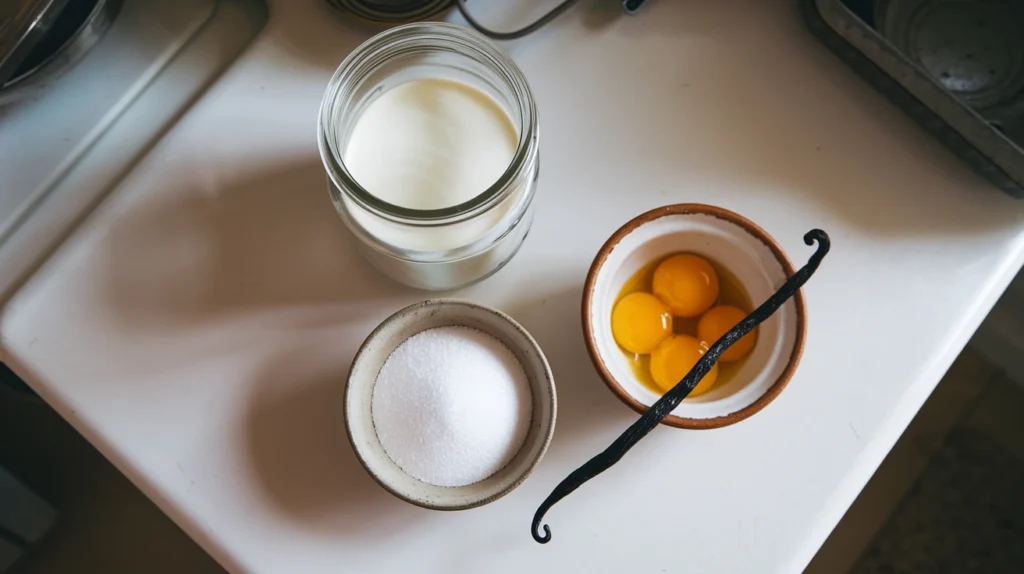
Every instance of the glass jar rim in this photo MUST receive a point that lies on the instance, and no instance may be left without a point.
(360, 61)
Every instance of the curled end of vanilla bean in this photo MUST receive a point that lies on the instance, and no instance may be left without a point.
(542, 538)
(820, 236)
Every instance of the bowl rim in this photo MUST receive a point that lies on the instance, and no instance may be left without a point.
(754, 230)
(547, 375)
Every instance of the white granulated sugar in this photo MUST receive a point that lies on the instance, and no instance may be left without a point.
(451, 406)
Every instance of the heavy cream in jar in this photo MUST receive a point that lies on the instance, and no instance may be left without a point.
(431, 144)
(429, 135)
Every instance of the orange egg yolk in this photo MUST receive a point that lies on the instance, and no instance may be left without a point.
(674, 357)
(640, 321)
(716, 322)
(686, 283)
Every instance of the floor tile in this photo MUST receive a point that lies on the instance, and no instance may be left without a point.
(106, 525)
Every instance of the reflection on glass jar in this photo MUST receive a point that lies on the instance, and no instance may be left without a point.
(429, 135)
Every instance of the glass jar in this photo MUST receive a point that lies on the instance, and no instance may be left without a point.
(436, 248)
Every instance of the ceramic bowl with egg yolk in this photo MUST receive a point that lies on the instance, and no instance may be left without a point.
(757, 262)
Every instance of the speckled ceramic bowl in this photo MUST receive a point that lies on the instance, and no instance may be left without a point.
(379, 346)
(751, 255)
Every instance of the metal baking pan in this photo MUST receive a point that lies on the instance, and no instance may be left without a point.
(961, 79)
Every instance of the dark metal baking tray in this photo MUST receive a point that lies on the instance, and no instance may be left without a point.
(978, 140)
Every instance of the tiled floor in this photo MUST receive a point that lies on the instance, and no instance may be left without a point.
(107, 526)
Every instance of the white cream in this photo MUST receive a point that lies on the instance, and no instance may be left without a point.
(430, 144)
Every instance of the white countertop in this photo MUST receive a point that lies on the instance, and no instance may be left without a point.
(198, 326)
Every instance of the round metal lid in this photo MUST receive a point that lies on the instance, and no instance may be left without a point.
(391, 11)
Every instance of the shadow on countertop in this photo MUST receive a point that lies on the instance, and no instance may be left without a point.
(298, 449)
(588, 412)
(269, 242)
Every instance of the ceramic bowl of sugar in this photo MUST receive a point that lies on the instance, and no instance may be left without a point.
(744, 257)
(449, 404)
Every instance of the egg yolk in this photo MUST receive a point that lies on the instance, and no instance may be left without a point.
(716, 322)
(640, 321)
(686, 283)
(674, 357)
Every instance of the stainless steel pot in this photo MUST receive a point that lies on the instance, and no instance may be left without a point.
(55, 40)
